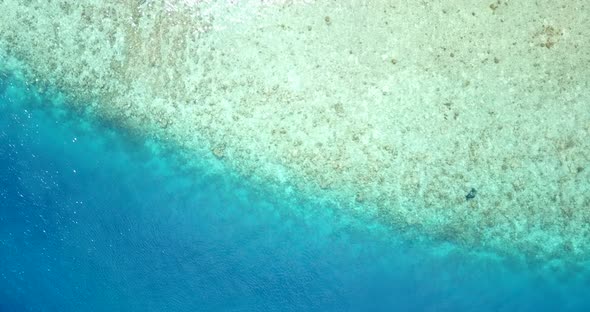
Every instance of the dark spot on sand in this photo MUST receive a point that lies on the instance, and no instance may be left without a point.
(471, 194)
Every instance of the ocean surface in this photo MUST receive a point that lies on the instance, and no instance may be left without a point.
(93, 218)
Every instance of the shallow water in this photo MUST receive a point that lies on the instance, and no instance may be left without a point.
(94, 219)
(405, 107)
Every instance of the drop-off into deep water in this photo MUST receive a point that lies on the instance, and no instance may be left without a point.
(93, 218)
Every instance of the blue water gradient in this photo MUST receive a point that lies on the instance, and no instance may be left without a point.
(96, 219)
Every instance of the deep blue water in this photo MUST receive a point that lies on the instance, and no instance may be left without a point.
(94, 219)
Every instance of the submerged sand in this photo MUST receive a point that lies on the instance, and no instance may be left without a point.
(401, 108)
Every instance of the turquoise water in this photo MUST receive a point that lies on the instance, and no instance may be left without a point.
(96, 219)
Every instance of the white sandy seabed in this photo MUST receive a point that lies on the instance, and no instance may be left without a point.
(396, 108)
